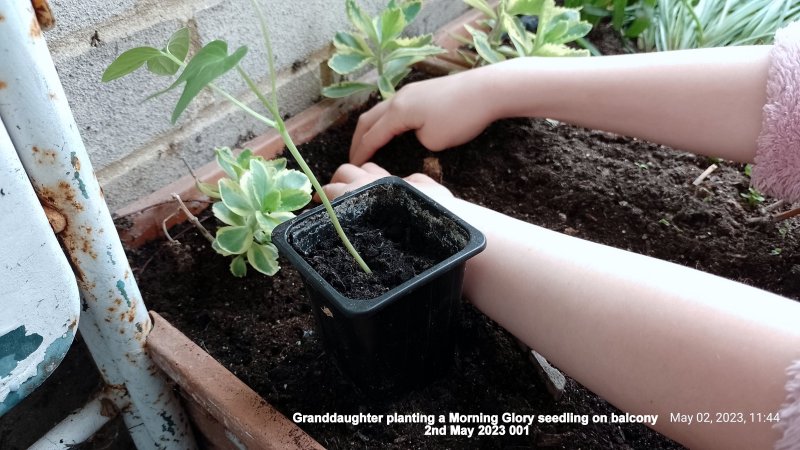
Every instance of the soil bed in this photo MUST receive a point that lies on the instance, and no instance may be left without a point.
(605, 188)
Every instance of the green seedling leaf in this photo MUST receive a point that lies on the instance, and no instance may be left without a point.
(262, 182)
(395, 78)
(177, 46)
(411, 9)
(246, 183)
(518, 35)
(208, 64)
(481, 42)
(234, 198)
(385, 87)
(295, 190)
(482, 6)
(560, 50)
(129, 61)
(264, 258)
(392, 23)
(235, 239)
(268, 221)
(228, 162)
(226, 216)
(218, 249)
(349, 43)
(637, 27)
(239, 266)
(243, 160)
(344, 63)
(279, 164)
(618, 16)
(272, 201)
(360, 20)
(525, 7)
(207, 189)
(346, 88)
(416, 41)
(418, 53)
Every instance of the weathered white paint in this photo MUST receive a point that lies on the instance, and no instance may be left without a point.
(46, 139)
(81, 424)
(37, 288)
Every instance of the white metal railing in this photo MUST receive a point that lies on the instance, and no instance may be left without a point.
(113, 319)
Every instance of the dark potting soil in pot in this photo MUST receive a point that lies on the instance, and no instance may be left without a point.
(397, 238)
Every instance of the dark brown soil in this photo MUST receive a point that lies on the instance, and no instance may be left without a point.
(394, 236)
(621, 192)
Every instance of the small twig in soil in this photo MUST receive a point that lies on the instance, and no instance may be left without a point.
(164, 227)
(705, 174)
(192, 218)
(775, 217)
(775, 206)
(156, 205)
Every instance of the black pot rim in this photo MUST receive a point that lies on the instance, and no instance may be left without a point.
(351, 307)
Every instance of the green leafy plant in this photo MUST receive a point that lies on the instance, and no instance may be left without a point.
(753, 197)
(377, 41)
(556, 27)
(682, 24)
(199, 72)
(255, 197)
(630, 18)
(748, 170)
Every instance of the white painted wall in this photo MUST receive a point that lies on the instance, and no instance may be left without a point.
(134, 148)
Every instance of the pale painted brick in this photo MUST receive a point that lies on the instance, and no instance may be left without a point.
(112, 117)
(85, 15)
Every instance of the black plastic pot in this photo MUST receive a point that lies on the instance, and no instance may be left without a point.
(405, 337)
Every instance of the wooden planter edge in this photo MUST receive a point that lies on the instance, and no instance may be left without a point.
(227, 413)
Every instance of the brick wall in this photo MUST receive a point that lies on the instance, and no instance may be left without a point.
(134, 148)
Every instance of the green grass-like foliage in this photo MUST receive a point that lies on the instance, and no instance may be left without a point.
(557, 26)
(255, 197)
(753, 196)
(684, 24)
(377, 42)
(630, 18)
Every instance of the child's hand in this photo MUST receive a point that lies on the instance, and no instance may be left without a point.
(444, 112)
(349, 177)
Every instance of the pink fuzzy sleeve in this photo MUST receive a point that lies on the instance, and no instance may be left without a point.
(790, 412)
(777, 163)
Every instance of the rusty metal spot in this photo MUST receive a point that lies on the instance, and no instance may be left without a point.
(58, 197)
(107, 408)
(44, 156)
(57, 220)
(44, 15)
(3, 85)
(2, 17)
(35, 30)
